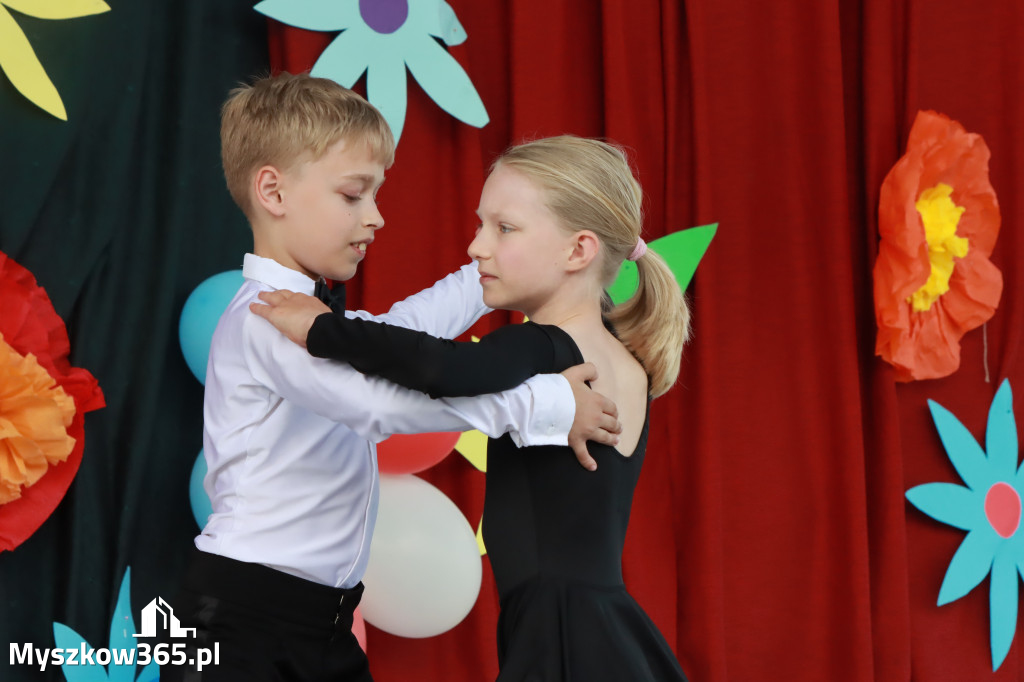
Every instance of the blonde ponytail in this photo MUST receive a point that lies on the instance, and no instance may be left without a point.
(655, 322)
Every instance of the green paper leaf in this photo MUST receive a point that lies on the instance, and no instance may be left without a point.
(626, 283)
(682, 252)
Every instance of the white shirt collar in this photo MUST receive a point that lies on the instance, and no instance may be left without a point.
(275, 275)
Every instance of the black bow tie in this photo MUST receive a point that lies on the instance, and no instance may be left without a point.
(334, 298)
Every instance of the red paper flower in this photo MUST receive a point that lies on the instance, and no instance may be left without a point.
(30, 325)
(938, 218)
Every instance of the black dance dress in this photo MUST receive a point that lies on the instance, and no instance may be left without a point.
(554, 530)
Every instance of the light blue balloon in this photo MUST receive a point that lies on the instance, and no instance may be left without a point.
(199, 317)
(201, 505)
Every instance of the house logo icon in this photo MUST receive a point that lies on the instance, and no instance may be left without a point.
(160, 610)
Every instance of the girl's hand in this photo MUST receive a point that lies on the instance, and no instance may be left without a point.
(293, 314)
(597, 417)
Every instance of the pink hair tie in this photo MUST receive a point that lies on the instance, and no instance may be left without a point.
(639, 250)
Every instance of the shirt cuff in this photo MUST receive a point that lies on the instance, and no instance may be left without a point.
(554, 409)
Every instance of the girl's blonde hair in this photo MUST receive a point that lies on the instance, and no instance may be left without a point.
(589, 185)
(279, 119)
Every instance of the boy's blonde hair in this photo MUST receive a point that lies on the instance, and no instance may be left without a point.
(278, 119)
(589, 185)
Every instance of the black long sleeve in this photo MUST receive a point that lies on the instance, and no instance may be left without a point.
(441, 368)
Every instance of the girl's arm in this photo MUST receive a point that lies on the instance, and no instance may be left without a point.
(441, 368)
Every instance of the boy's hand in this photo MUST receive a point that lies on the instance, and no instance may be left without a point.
(293, 314)
(597, 418)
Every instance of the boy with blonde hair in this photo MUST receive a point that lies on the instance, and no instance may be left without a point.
(290, 439)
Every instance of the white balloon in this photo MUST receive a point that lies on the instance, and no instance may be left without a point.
(424, 571)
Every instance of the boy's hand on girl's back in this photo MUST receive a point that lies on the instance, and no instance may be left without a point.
(293, 314)
(596, 419)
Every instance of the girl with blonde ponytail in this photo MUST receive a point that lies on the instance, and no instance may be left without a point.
(590, 186)
(558, 217)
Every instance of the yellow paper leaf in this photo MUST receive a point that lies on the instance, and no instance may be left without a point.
(58, 9)
(18, 60)
(473, 446)
(480, 537)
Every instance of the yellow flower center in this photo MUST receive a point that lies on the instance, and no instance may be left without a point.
(940, 217)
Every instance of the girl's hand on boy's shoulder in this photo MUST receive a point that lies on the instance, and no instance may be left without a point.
(293, 314)
(596, 416)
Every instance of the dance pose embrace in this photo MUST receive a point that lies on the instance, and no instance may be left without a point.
(289, 439)
(558, 217)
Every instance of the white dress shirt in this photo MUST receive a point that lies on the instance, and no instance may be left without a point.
(290, 440)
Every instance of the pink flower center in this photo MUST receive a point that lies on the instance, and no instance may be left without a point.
(1002, 508)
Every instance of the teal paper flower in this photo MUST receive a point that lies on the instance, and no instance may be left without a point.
(989, 508)
(122, 631)
(382, 38)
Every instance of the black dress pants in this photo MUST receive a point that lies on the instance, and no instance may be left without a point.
(256, 624)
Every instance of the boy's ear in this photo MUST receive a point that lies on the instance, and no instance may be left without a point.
(268, 190)
(585, 248)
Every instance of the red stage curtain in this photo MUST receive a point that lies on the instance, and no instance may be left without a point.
(770, 538)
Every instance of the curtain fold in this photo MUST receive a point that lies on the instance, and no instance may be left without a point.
(770, 538)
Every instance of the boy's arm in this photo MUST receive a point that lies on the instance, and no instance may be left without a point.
(439, 367)
(540, 412)
(447, 309)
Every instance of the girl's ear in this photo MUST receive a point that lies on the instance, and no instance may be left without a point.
(585, 248)
(268, 190)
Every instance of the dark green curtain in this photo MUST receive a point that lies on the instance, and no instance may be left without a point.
(120, 212)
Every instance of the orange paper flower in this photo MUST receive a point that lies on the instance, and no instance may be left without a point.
(35, 415)
(938, 219)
